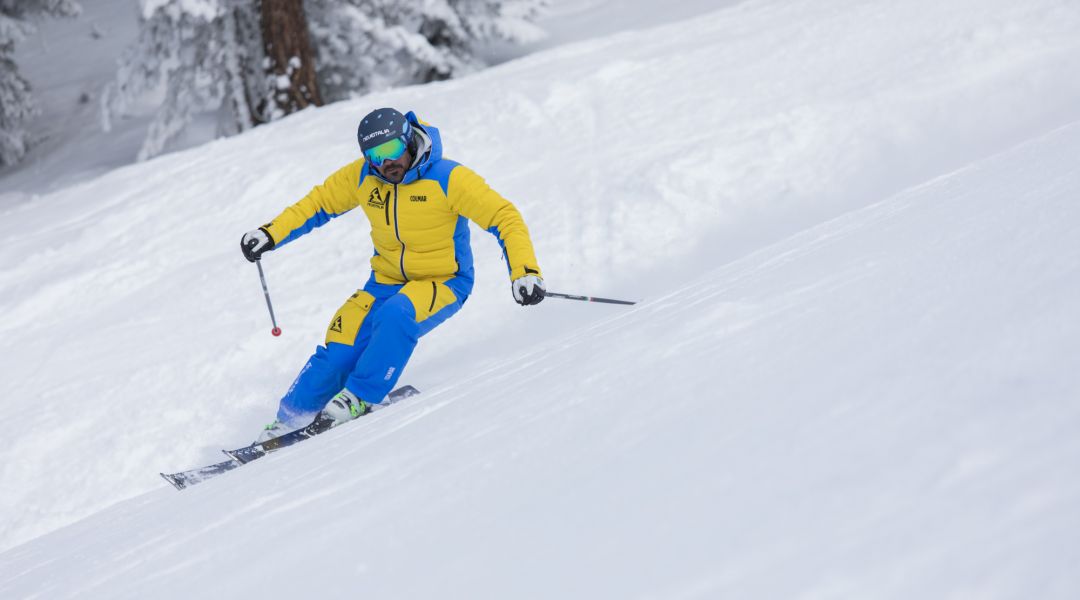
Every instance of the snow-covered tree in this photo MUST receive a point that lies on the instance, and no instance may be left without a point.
(16, 101)
(247, 59)
(364, 45)
(206, 53)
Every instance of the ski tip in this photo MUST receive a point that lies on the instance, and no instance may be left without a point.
(176, 483)
(406, 391)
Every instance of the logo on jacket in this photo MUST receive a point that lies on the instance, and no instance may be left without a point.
(417, 198)
(375, 200)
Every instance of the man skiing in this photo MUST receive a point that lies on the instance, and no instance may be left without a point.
(422, 270)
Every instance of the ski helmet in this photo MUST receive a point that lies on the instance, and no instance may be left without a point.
(381, 126)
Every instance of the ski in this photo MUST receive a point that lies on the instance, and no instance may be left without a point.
(186, 479)
(249, 453)
(242, 456)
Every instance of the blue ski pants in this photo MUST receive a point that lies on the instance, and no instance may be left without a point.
(369, 341)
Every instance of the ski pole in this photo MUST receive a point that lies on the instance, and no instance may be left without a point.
(276, 331)
(586, 298)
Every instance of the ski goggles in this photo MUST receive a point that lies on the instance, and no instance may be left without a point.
(390, 150)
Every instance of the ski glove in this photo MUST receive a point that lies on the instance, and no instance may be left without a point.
(254, 243)
(528, 289)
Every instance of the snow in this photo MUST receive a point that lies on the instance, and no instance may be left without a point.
(852, 375)
(67, 63)
(202, 9)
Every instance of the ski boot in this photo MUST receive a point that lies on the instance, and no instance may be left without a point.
(271, 431)
(345, 406)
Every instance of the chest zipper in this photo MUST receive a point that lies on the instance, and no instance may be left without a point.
(397, 232)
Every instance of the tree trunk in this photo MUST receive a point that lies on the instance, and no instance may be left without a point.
(291, 61)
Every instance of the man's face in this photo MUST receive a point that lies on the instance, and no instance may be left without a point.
(394, 170)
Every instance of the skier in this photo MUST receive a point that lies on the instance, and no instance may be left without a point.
(421, 273)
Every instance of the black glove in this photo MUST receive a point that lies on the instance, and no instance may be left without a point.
(255, 242)
(528, 289)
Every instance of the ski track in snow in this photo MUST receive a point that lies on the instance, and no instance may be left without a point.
(883, 404)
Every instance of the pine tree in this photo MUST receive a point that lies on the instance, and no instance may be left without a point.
(366, 45)
(16, 102)
(255, 61)
(208, 56)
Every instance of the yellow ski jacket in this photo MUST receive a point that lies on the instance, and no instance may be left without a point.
(418, 226)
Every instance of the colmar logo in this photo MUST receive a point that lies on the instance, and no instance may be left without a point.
(417, 198)
(375, 200)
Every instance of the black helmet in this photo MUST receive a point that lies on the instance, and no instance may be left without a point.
(380, 126)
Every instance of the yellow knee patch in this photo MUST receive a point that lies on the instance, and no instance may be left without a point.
(349, 318)
(428, 297)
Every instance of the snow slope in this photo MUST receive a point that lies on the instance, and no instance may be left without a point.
(835, 442)
(883, 405)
